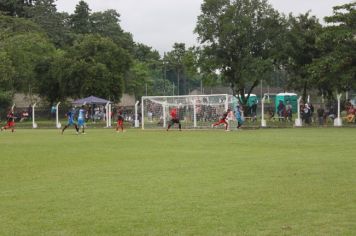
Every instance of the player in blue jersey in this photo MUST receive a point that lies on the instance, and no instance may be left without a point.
(239, 116)
(70, 116)
(81, 118)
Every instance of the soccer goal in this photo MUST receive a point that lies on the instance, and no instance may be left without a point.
(195, 111)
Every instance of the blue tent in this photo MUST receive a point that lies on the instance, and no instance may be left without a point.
(90, 100)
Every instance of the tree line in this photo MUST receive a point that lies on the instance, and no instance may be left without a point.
(59, 55)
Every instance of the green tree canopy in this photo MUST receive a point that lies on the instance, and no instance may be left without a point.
(80, 20)
(25, 51)
(99, 66)
(144, 73)
(238, 39)
(11, 26)
(44, 13)
(15, 7)
(301, 50)
(7, 72)
(54, 77)
(107, 24)
(335, 69)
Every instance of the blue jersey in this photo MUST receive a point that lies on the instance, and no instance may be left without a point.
(70, 116)
(81, 117)
(239, 116)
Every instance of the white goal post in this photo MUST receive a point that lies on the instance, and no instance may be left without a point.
(195, 111)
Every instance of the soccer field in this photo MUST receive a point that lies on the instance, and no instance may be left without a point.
(253, 182)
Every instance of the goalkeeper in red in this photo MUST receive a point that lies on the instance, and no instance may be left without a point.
(10, 121)
(120, 122)
(174, 119)
(223, 120)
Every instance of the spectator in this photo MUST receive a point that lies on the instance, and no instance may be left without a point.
(311, 107)
(29, 111)
(53, 111)
(306, 114)
(321, 114)
(351, 114)
(288, 111)
(270, 112)
(280, 109)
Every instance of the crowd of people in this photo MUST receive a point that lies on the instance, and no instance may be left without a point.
(323, 114)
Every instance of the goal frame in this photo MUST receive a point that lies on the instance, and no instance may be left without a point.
(194, 98)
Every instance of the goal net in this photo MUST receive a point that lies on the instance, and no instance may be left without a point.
(194, 111)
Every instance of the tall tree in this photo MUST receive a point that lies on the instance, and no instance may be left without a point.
(7, 72)
(54, 77)
(15, 7)
(22, 44)
(139, 81)
(191, 71)
(145, 72)
(238, 39)
(107, 24)
(44, 13)
(11, 26)
(99, 66)
(80, 20)
(301, 49)
(25, 51)
(335, 69)
(175, 63)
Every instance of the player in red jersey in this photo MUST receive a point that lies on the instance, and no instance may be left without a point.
(222, 120)
(174, 119)
(120, 122)
(10, 121)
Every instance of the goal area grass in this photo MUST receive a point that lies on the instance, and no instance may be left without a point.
(297, 181)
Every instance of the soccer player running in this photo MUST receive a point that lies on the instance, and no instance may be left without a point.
(174, 119)
(70, 116)
(223, 120)
(81, 119)
(120, 121)
(10, 121)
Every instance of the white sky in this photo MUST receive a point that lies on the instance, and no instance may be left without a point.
(161, 23)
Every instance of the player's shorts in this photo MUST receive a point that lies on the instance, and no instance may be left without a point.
(71, 122)
(10, 124)
(81, 122)
(120, 122)
(174, 121)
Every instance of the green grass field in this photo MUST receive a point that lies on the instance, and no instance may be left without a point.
(251, 182)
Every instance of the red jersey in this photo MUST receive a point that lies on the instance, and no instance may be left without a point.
(10, 117)
(174, 113)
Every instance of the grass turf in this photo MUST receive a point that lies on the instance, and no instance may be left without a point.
(253, 182)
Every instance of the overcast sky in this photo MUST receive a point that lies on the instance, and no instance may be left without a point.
(161, 23)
